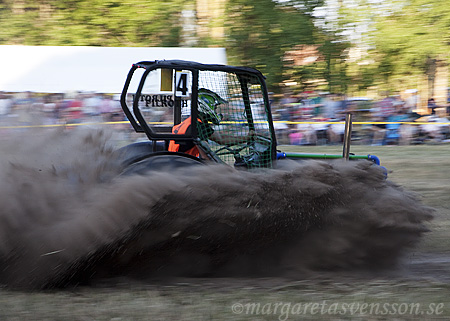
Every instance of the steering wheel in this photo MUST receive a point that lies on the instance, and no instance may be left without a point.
(229, 150)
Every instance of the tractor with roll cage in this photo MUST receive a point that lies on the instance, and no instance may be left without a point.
(231, 102)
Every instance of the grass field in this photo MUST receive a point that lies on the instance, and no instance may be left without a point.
(418, 289)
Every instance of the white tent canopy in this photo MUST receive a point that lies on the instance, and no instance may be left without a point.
(52, 69)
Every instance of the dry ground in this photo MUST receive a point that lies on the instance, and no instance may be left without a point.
(417, 289)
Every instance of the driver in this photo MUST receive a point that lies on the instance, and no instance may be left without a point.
(207, 104)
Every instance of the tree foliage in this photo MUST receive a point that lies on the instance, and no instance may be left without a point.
(259, 33)
(91, 22)
(399, 38)
(412, 39)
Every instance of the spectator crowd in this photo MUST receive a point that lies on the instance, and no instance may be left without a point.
(318, 118)
(309, 118)
(19, 111)
(30, 109)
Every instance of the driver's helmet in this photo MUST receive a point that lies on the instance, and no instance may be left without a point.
(207, 103)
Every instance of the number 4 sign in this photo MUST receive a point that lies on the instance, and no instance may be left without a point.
(181, 84)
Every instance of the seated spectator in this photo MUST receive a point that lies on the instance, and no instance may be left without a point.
(435, 128)
(295, 137)
(380, 113)
(393, 127)
(432, 106)
(336, 132)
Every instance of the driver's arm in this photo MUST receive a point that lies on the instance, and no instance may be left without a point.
(227, 139)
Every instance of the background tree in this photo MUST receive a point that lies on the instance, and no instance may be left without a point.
(91, 22)
(413, 39)
(362, 45)
(259, 33)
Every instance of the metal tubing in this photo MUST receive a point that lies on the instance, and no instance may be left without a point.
(320, 156)
(347, 136)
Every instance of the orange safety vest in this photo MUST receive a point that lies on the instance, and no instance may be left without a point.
(181, 129)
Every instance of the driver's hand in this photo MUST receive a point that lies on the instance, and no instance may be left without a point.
(251, 135)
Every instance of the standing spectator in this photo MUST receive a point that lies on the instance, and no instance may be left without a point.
(5, 108)
(74, 110)
(307, 130)
(24, 105)
(37, 110)
(307, 106)
(92, 104)
(432, 106)
(106, 108)
(411, 101)
(281, 128)
(330, 106)
(5, 104)
(50, 109)
(60, 106)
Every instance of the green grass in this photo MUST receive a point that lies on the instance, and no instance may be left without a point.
(424, 169)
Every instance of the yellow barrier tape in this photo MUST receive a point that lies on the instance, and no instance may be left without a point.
(225, 122)
(361, 122)
(64, 125)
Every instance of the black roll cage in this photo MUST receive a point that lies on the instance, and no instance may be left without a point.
(140, 124)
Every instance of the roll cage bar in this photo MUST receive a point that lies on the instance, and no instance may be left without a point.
(140, 125)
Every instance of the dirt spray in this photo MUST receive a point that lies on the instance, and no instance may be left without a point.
(68, 216)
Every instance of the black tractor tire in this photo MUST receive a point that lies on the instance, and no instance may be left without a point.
(161, 161)
(136, 152)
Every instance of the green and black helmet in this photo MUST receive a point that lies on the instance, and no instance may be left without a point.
(207, 104)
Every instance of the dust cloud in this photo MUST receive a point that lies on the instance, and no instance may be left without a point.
(67, 216)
